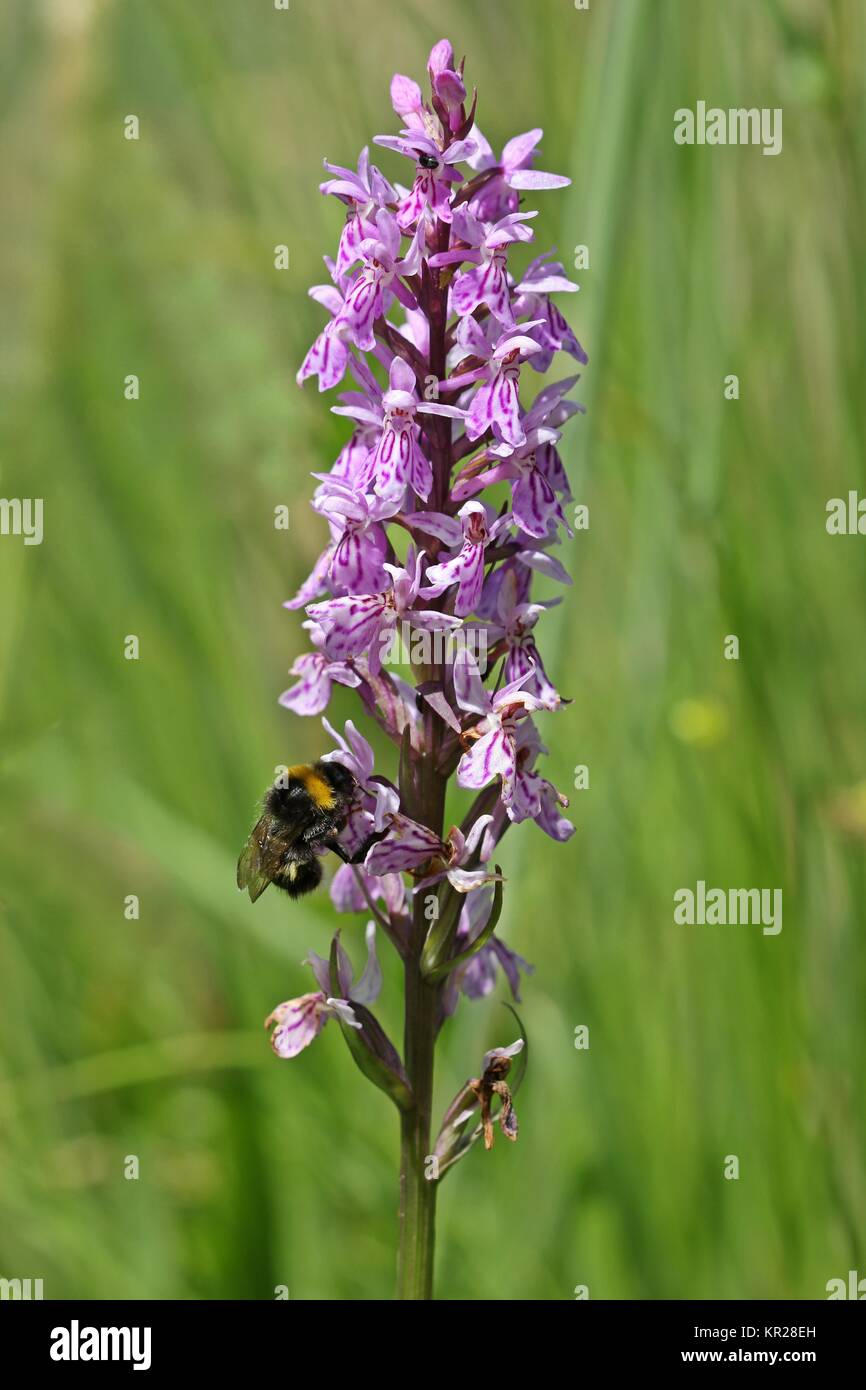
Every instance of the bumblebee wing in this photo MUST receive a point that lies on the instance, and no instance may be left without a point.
(262, 855)
(250, 874)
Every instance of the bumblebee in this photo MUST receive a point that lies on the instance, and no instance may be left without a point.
(302, 813)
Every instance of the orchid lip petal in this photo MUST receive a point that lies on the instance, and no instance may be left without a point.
(298, 1023)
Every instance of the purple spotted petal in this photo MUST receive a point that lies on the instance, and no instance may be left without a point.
(551, 820)
(327, 359)
(313, 691)
(466, 570)
(495, 405)
(527, 658)
(363, 305)
(298, 1023)
(534, 503)
(351, 625)
(406, 846)
(356, 563)
(485, 284)
(355, 231)
(504, 409)
(315, 584)
(491, 756)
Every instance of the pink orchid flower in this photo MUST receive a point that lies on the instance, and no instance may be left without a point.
(496, 404)
(486, 249)
(396, 461)
(298, 1022)
(473, 529)
(368, 622)
(317, 672)
(434, 174)
(510, 174)
(494, 754)
(381, 268)
(408, 846)
(365, 193)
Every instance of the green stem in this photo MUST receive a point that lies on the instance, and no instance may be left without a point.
(417, 1192)
(422, 796)
(426, 797)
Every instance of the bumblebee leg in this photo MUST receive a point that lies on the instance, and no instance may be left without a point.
(360, 854)
(371, 840)
(321, 830)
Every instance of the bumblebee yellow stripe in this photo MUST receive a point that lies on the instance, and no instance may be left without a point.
(319, 791)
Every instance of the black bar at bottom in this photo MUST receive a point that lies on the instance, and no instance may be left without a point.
(71, 1338)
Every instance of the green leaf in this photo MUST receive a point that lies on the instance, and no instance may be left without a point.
(442, 931)
(374, 1053)
(518, 1069)
(377, 1057)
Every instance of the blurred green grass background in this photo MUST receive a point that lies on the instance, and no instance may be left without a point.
(707, 518)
